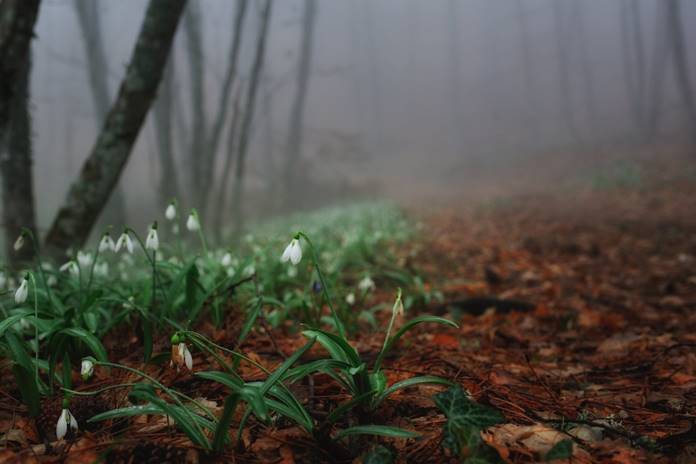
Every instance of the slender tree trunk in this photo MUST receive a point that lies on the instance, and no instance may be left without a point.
(585, 67)
(532, 121)
(248, 117)
(169, 184)
(227, 168)
(560, 25)
(192, 26)
(17, 20)
(296, 125)
(102, 169)
(17, 181)
(681, 63)
(90, 26)
(221, 116)
(658, 65)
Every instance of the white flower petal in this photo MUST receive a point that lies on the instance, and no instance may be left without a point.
(22, 292)
(62, 424)
(170, 212)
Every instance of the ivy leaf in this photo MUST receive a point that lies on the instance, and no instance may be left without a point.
(465, 419)
(561, 450)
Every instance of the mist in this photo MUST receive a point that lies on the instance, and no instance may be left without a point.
(416, 101)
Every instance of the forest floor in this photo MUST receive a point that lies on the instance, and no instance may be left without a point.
(577, 321)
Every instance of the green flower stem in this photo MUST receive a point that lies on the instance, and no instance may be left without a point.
(172, 393)
(204, 243)
(91, 275)
(324, 286)
(39, 263)
(380, 356)
(36, 330)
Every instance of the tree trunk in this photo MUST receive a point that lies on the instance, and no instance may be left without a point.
(169, 184)
(90, 26)
(230, 76)
(297, 112)
(560, 30)
(527, 66)
(192, 26)
(17, 182)
(102, 169)
(681, 64)
(248, 117)
(227, 168)
(17, 19)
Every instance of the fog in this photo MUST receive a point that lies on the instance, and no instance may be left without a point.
(405, 99)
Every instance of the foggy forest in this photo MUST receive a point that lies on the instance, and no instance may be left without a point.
(373, 231)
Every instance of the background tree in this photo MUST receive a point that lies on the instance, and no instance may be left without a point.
(89, 20)
(296, 124)
(247, 118)
(17, 20)
(102, 169)
(164, 112)
(681, 62)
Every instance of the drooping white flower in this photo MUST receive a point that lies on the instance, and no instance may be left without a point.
(366, 284)
(293, 252)
(152, 241)
(71, 266)
(170, 212)
(65, 420)
(19, 243)
(399, 307)
(51, 281)
(192, 223)
(350, 299)
(249, 270)
(87, 369)
(107, 243)
(124, 241)
(22, 292)
(84, 258)
(230, 271)
(101, 269)
(226, 260)
(181, 356)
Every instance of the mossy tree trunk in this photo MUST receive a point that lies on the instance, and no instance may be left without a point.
(17, 20)
(102, 169)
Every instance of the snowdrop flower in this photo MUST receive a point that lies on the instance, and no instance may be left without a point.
(249, 270)
(293, 252)
(366, 284)
(181, 356)
(102, 269)
(85, 259)
(51, 281)
(124, 241)
(106, 243)
(87, 369)
(23, 291)
(399, 307)
(226, 260)
(71, 266)
(230, 271)
(192, 223)
(152, 241)
(65, 420)
(19, 243)
(350, 299)
(170, 212)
